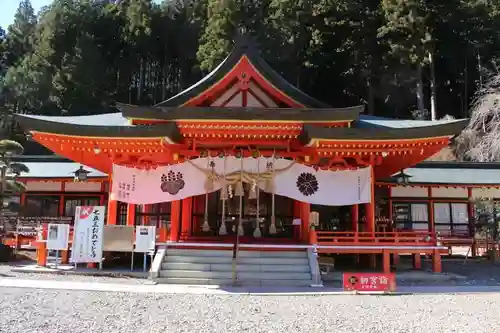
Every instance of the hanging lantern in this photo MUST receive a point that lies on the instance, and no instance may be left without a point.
(81, 174)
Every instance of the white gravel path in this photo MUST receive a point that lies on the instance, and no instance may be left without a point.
(6, 272)
(33, 310)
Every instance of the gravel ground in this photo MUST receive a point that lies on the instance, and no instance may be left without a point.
(6, 272)
(30, 311)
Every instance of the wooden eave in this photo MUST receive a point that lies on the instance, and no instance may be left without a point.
(313, 135)
(244, 48)
(164, 130)
(247, 114)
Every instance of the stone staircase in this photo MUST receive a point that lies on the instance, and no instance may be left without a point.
(254, 268)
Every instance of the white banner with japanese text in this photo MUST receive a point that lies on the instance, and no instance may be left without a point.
(88, 234)
(205, 175)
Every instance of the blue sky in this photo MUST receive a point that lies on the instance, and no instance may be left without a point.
(8, 9)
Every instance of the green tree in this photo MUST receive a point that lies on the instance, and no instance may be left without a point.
(409, 38)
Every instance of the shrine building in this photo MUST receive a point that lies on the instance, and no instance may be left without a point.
(243, 127)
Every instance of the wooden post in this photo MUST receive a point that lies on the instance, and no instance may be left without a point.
(471, 217)
(386, 261)
(432, 227)
(305, 209)
(355, 217)
(436, 262)
(175, 212)
(417, 261)
(187, 213)
(41, 257)
(64, 253)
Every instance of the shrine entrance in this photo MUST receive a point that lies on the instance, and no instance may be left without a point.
(257, 214)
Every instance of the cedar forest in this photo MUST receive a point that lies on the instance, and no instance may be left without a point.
(417, 59)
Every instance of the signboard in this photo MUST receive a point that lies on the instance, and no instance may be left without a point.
(58, 237)
(118, 238)
(145, 239)
(88, 234)
(369, 282)
(28, 225)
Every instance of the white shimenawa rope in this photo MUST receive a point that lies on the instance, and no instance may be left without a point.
(240, 230)
(257, 233)
(272, 227)
(223, 228)
(206, 226)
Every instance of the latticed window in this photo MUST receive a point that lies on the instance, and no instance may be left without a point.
(155, 215)
(121, 218)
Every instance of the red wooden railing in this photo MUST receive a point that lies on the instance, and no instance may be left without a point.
(376, 238)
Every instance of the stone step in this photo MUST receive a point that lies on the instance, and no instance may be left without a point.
(239, 268)
(193, 281)
(229, 282)
(272, 254)
(241, 253)
(199, 253)
(196, 274)
(197, 259)
(241, 275)
(273, 261)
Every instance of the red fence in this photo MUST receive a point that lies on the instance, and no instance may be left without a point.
(376, 238)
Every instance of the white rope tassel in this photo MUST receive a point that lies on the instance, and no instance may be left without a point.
(223, 228)
(241, 231)
(206, 226)
(257, 233)
(272, 227)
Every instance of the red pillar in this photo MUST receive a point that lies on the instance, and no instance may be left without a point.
(187, 213)
(417, 261)
(41, 256)
(436, 262)
(355, 217)
(112, 211)
(130, 214)
(386, 261)
(432, 228)
(305, 209)
(175, 213)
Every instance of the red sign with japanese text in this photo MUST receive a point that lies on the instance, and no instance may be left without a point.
(369, 282)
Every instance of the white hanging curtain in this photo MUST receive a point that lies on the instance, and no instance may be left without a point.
(460, 217)
(419, 213)
(442, 216)
(420, 217)
(459, 213)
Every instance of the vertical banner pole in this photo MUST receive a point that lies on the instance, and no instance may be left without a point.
(132, 261)
(144, 264)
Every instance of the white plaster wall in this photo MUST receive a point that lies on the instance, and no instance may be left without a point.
(225, 96)
(409, 191)
(449, 192)
(253, 102)
(262, 95)
(43, 186)
(484, 192)
(82, 187)
(236, 101)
